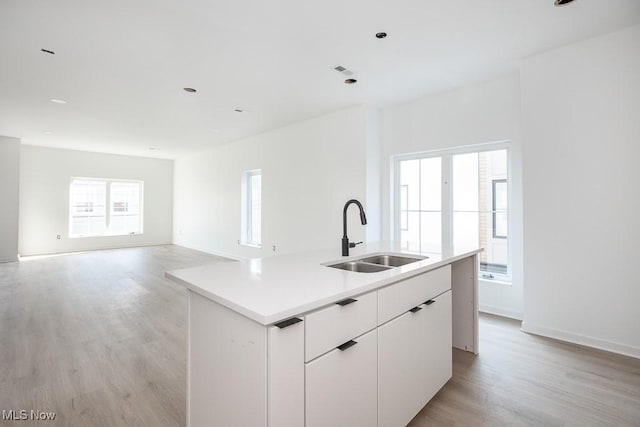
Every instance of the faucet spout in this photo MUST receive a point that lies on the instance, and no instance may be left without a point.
(363, 219)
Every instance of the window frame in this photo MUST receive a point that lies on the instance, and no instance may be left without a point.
(107, 216)
(447, 195)
(246, 215)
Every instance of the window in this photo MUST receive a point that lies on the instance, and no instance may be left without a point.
(251, 211)
(456, 197)
(100, 207)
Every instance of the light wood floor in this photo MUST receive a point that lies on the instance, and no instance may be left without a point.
(100, 338)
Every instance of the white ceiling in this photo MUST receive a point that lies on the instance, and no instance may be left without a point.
(121, 64)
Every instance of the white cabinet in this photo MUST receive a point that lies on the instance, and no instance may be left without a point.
(285, 371)
(414, 360)
(340, 387)
(438, 367)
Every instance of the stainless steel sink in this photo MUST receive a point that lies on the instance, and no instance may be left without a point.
(376, 263)
(391, 260)
(359, 267)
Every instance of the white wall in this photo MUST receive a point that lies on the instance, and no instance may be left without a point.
(479, 113)
(309, 170)
(44, 198)
(9, 193)
(581, 127)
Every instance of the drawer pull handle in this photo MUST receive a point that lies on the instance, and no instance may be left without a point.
(288, 322)
(431, 301)
(415, 309)
(346, 301)
(346, 345)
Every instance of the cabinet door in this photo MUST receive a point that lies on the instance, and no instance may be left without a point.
(402, 349)
(414, 360)
(341, 386)
(438, 369)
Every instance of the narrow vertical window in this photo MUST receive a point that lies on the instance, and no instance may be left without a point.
(252, 208)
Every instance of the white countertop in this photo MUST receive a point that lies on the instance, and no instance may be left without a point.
(269, 290)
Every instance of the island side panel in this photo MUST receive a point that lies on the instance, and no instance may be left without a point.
(227, 367)
(464, 287)
(286, 375)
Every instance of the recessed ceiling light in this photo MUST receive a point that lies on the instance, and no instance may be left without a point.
(381, 35)
(58, 101)
(189, 89)
(562, 2)
(350, 81)
(50, 52)
(48, 132)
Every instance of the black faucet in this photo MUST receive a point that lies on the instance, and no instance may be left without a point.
(363, 218)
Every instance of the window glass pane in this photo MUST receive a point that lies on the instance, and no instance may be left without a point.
(465, 228)
(494, 258)
(126, 215)
(431, 184)
(480, 203)
(410, 238)
(410, 179)
(465, 182)
(256, 208)
(430, 231)
(87, 208)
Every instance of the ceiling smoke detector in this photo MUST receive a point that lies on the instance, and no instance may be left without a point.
(562, 2)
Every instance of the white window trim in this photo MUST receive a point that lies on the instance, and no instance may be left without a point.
(246, 236)
(108, 182)
(447, 213)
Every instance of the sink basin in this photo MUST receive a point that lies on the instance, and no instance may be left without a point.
(391, 260)
(359, 267)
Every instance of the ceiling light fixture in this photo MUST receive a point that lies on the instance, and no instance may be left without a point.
(350, 81)
(189, 89)
(562, 2)
(58, 101)
(48, 132)
(50, 52)
(381, 35)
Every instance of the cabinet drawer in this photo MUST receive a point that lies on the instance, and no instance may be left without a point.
(402, 296)
(329, 327)
(341, 386)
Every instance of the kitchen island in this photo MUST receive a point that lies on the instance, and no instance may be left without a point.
(290, 341)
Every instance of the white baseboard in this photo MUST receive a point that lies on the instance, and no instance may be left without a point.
(498, 311)
(2, 260)
(210, 252)
(587, 341)
(106, 248)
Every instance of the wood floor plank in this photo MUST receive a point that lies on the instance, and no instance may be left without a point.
(100, 338)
